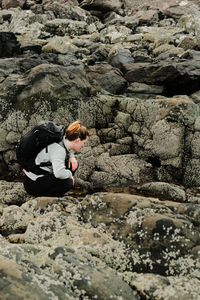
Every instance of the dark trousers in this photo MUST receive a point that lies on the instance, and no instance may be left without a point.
(47, 185)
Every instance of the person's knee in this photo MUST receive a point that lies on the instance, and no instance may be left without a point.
(68, 184)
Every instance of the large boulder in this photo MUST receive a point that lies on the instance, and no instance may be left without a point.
(176, 76)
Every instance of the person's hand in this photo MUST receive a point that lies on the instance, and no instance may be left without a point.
(73, 163)
(73, 181)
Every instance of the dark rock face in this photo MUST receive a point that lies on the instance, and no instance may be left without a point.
(9, 46)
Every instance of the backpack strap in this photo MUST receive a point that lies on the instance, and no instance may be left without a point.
(38, 171)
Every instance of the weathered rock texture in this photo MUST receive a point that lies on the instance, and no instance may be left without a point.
(130, 71)
(101, 246)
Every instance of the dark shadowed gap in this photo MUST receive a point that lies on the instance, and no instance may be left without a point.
(182, 86)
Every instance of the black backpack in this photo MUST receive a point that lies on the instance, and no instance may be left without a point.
(38, 138)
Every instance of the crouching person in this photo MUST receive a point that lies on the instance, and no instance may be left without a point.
(57, 164)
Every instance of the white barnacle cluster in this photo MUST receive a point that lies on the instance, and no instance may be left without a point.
(169, 254)
(184, 266)
(156, 236)
(96, 201)
(146, 260)
(4, 105)
(114, 254)
(179, 286)
(175, 236)
(136, 257)
(135, 218)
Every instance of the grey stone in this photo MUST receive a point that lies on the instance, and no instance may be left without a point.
(164, 190)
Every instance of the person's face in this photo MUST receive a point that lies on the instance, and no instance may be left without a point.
(78, 144)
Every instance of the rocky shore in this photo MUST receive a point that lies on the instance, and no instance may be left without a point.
(130, 71)
(106, 245)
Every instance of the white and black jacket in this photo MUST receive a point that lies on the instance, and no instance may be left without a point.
(57, 155)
